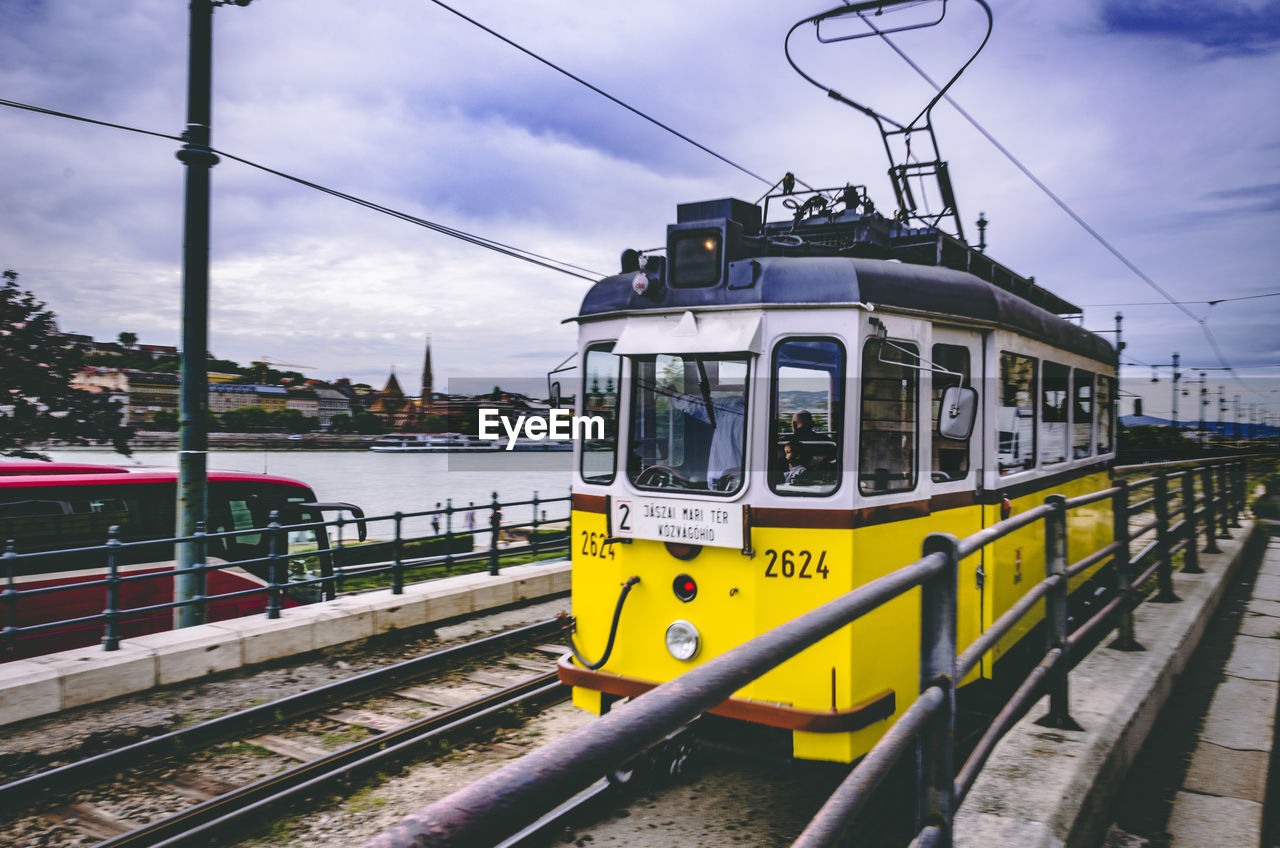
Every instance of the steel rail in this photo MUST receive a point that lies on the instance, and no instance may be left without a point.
(74, 775)
(538, 833)
(202, 820)
(853, 793)
(498, 804)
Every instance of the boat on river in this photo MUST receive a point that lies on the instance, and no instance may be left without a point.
(433, 443)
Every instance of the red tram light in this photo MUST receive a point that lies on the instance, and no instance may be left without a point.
(685, 588)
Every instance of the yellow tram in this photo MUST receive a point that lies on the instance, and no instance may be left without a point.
(790, 407)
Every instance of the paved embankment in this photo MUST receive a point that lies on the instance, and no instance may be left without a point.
(1223, 794)
(44, 685)
(1054, 788)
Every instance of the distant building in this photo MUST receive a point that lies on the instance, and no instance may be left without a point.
(224, 397)
(305, 400)
(330, 402)
(148, 392)
(157, 351)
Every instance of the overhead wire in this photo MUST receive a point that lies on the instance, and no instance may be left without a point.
(1062, 204)
(608, 96)
(462, 235)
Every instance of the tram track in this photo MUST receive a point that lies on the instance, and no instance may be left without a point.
(176, 774)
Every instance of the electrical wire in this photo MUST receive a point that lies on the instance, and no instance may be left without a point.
(1062, 204)
(1186, 302)
(609, 96)
(471, 238)
(41, 110)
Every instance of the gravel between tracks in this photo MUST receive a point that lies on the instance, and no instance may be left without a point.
(51, 741)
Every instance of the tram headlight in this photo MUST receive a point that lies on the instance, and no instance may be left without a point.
(683, 640)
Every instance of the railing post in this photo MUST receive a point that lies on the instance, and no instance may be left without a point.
(533, 531)
(448, 535)
(1125, 638)
(339, 561)
(201, 576)
(1224, 502)
(274, 534)
(495, 525)
(1164, 568)
(110, 632)
(1237, 475)
(397, 562)
(1055, 615)
(10, 632)
(1190, 555)
(1210, 512)
(936, 745)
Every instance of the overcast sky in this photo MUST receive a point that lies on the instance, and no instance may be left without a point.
(1156, 120)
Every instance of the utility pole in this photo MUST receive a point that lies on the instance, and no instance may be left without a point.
(1177, 375)
(1119, 350)
(193, 402)
(1204, 401)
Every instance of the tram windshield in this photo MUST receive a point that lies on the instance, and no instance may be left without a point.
(688, 422)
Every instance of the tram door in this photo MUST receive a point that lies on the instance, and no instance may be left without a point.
(955, 465)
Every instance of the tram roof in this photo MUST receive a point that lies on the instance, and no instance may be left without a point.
(835, 281)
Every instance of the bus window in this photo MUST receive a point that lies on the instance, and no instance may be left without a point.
(601, 376)
(950, 456)
(1053, 413)
(808, 408)
(1016, 416)
(1082, 411)
(688, 422)
(887, 456)
(1106, 413)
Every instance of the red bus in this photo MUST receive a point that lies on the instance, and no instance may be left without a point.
(60, 509)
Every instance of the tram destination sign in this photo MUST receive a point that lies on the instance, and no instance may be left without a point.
(677, 521)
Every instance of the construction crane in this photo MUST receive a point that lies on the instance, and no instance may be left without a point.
(266, 360)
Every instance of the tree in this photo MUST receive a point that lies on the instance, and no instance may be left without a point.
(165, 419)
(127, 340)
(37, 402)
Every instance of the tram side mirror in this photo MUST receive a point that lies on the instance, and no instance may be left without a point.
(362, 526)
(555, 395)
(957, 412)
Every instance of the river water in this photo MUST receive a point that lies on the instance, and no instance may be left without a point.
(382, 483)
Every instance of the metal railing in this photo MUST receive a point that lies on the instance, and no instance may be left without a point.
(417, 545)
(504, 801)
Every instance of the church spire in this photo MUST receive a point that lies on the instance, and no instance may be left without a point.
(427, 381)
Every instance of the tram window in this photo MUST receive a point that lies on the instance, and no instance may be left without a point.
(887, 456)
(1082, 415)
(1053, 413)
(695, 259)
(688, 422)
(808, 408)
(1106, 413)
(602, 374)
(950, 456)
(1016, 416)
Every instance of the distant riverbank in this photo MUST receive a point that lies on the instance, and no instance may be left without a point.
(147, 440)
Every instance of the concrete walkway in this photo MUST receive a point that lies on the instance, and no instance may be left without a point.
(1222, 797)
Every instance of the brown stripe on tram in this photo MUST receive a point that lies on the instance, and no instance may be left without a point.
(591, 503)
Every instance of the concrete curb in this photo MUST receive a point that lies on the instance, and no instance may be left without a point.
(1223, 795)
(1054, 788)
(44, 685)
